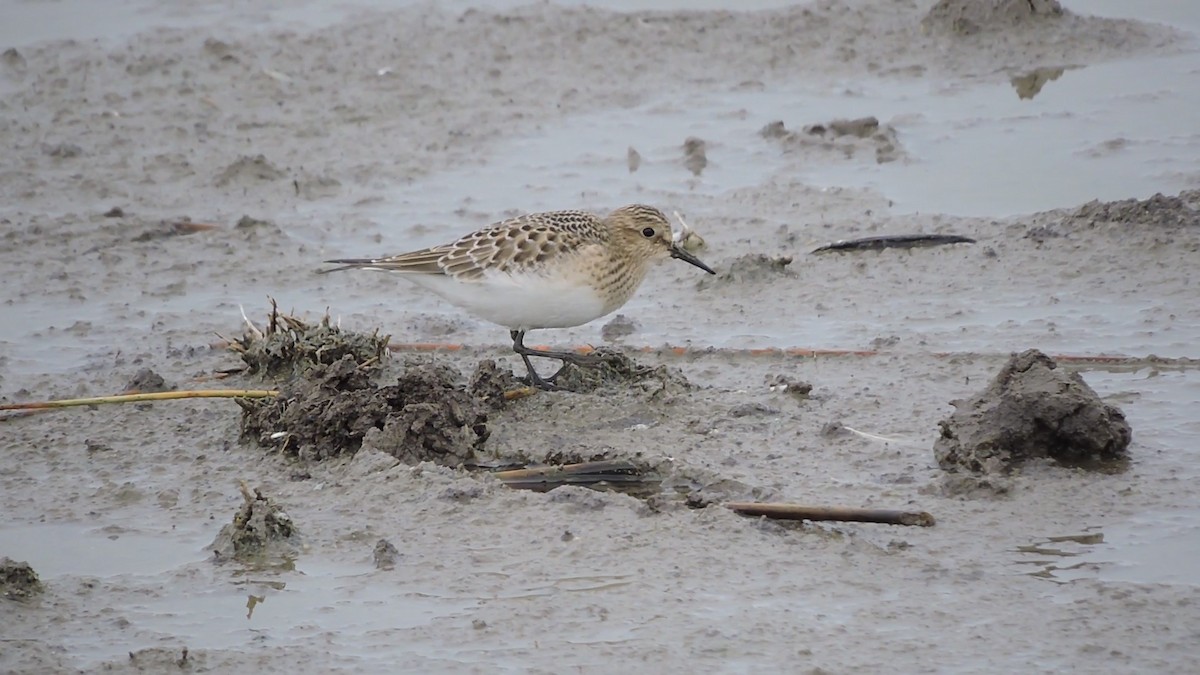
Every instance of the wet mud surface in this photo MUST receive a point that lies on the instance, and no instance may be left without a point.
(164, 183)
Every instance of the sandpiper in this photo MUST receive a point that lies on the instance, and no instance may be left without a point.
(542, 270)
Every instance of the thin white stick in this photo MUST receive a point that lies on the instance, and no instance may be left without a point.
(253, 329)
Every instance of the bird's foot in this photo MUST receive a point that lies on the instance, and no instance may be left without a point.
(539, 382)
(566, 358)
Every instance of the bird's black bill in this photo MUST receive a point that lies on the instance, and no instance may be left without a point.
(677, 252)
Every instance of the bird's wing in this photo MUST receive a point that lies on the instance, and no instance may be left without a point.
(518, 244)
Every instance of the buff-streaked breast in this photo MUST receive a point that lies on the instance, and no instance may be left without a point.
(543, 270)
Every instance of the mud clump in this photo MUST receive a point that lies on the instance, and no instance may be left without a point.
(785, 384)
(633, 159)
(162, 660)
(289, 346)
(703, 488)
(1029, 85)
(695, 155)
(862, 127)
(1157, 211)
(844, 137)
(248, 170)
(609, 368)
(1032, 409)
(619, 327)
(491, 384)
(147, 381)
(261, 532)
(61, 150)
(18, 581)
(385, 555)
(11, 58)
(424, 416)
(968, 17)
(750, 268)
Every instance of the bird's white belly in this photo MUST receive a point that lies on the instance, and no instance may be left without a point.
(519, 302)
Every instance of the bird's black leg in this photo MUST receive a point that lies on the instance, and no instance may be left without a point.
(535, 380)
(518, 338)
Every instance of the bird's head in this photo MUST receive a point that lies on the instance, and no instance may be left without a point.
(645, 233)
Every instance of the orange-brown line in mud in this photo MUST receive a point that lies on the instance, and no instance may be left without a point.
(804, 352)
(426, 347)
(677, 351)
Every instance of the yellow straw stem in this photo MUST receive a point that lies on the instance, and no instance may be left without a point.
(135, 398)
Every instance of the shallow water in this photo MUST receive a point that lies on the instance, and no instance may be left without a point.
(1158, 546)
(71, 549)
(1106, 132)
(317, 600)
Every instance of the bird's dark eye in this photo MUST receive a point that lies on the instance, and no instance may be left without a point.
(648, 232)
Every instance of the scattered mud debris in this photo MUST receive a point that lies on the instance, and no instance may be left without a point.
(290, 347)
(18, 581)
(92, 447)
(620, 326)
(843, 136)
(251, 223)
(785, 384)
(1032, 409)
(146, 381)
(317, 187)
(1028, 85)
(702, 488)
(385, 555)
(492, 384)
(884, 342)
(1040, 234)
(968, 17)
(775, 129)
(11, 58)
(833, 429)
(1157, 211)
(220, 49)
(882, 137)
(752, 409)
(163, 660)
(166, 229)
(861, 127)
(246, 169)
(520, 459)
(61, 150)
(612, 368)
(750, 268)
(633, 159)
(261, 532)
(970, 486)
(425, 416)
(695, 155)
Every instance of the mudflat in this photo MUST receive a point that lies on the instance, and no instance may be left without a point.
(163, 173)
